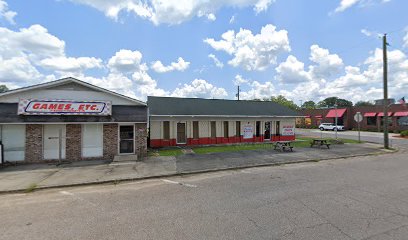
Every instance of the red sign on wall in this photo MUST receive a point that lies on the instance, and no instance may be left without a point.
(63, 107)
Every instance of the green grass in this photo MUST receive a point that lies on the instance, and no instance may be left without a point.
(299, 143)
(230, 148)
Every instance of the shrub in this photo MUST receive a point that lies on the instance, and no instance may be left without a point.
(404, 133)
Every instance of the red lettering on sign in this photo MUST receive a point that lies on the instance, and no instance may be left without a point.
(81, 107)
(52, 106)
(43, 106)
(36, 106)
(60, 106)
(67, 107)
(93, 107)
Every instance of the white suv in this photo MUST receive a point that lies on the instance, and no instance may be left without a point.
(330, 126)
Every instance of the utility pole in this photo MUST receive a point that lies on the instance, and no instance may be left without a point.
(385, 78)
(237, 95)
(335, 111)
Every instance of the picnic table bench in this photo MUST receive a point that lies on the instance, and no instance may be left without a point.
(320, 142)
(283, 145)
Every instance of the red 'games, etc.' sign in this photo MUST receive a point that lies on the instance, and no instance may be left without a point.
(63, 107)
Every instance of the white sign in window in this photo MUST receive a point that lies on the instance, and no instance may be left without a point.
(248, 131)
(13, 139)
(288, 130)
(92, 140)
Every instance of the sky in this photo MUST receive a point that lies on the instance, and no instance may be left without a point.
(304, 50)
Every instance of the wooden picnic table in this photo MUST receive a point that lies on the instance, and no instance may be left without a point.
(282, 145)
(320, 142)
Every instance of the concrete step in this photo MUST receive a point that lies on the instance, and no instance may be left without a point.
(125, 158)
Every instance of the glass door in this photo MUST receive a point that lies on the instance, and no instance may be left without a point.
(126, 139)
(181, 133)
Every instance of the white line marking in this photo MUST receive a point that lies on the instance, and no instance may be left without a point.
(66, 193)
(179, 183)
(169, 181)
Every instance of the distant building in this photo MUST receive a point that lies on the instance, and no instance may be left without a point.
(373, 117)
(195, 121)
(381, 101)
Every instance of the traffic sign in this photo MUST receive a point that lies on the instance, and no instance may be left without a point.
(358, 117)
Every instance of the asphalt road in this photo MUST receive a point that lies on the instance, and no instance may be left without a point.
(356, 198)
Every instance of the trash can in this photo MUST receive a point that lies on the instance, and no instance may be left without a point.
(1, 153)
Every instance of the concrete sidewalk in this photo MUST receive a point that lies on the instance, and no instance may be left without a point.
(40, 176)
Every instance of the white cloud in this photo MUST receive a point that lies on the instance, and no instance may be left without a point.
(201, 89)
(18, 70)
(171, 11)
(126, 61)
(69, 64)
(6, 13)
(327, 64)
(346, 4)
(358, 83)
(217, 62)
(252, 52)
(34, 41)
(211, 17)
(239, 80)
(180, 65)
(258, 91)
(292, 71)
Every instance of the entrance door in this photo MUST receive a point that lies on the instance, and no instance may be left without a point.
(277, 128)
(267, 133)
(126, 139)
(54, 141)
(181, 133)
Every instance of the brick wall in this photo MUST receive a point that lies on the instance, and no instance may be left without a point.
(34, 143)
(110, 141)
(73, 142)
(141, 140)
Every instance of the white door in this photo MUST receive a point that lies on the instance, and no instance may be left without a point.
(52, 135)
(13, 139)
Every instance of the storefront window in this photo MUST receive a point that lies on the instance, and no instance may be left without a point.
(13, 139)
(166, 130)
(389, 121)
(213, 129)
(226, 129)
(402, 121)
(371, 121)
(258, 128)
(92, 140)
(238, 129)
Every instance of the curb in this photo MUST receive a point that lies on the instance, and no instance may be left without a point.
(382, 151)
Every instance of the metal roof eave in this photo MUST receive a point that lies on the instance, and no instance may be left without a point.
(65, 80)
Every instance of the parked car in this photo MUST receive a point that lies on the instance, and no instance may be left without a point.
(330, 126)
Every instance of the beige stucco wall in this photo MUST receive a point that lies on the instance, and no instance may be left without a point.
(156, 126)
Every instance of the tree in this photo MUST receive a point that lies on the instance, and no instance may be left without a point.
(285, 102)
(309, 105)
(363, 103)
(331, 101)
(3, 88)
